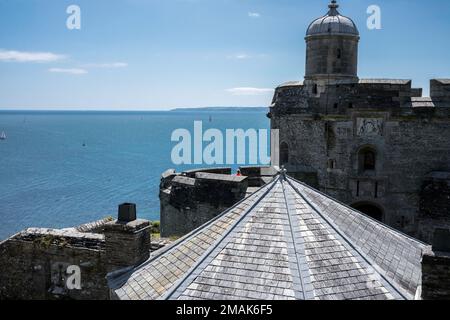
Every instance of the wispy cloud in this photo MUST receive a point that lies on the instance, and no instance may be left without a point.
(22, 56)
(240, 56)
(113, 65)
(75, 71)
(245, 56)
(248, 91)
(254, 15)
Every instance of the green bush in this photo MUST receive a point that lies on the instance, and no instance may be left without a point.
(155, 227)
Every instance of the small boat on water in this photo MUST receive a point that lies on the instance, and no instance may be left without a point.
(3, 136)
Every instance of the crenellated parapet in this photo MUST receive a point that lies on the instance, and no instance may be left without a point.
(395, 96)
(192, 198)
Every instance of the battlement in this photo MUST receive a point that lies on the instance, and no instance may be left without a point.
(341, 97)
(38, 263)
(192, 198)
(440, 91)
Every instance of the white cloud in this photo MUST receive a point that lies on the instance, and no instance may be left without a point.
(254, 15)
(245, 56)
(22, 56)
(240, 56)
(113, 65)
(248, 91)
(75, 71)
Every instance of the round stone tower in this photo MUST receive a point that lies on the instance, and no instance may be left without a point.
(332, 48)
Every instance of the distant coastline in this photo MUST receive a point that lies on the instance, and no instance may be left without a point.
(222, 109)
(200, 109)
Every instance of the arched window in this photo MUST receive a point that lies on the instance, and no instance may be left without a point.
(284, 153)
(367, 159)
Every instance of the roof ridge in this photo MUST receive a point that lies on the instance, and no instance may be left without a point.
(118, 277)
(305, 281)
(180, 282)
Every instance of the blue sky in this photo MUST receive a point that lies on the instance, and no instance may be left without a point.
(160, 54)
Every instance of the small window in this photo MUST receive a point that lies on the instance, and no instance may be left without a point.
(367, 160)
(284, 153)
(331, 164)
(335, 106)
(339, 53)
(350, 105)
(315, 89)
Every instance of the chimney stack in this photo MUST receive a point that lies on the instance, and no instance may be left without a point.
(436, 268)
(127, 239)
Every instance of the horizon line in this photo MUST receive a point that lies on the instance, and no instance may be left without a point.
(124, 110)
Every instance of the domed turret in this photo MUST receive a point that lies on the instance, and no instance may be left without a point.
(332, 47)
(332, 23)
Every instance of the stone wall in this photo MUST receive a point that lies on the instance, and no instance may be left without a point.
(436, 276)
(434, 204)
(34, 265)
(190, 199)
(322, 56)
(327, 132)
(440, 91)
(127, 243)
(72, 263)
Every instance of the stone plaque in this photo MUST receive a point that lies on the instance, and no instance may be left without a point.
(369, 127)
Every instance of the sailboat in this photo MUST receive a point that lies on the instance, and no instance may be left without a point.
(3, 136)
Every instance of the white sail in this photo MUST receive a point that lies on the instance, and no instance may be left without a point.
(3, 135)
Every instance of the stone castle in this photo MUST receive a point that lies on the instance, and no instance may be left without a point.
(371, 146)
(375, 144)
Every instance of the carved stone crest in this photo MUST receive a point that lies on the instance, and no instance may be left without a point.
(369, 127)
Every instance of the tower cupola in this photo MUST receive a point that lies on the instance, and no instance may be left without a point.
(332, 47)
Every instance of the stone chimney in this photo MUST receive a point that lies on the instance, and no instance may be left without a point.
(436, 268)
(127, 239)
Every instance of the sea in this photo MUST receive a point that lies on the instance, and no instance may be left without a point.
(60, 169)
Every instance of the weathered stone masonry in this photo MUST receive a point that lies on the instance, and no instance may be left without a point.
(35, 263)
(192, 198)
(371, 143)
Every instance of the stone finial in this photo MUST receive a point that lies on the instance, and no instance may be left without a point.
(333, 8)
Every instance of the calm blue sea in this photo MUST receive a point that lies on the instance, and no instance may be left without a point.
(49, 179)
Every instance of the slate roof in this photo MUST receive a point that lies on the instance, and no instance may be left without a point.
(385, 81)
(291, 84)
(422, 102)
(443, 81)
(285, 241)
